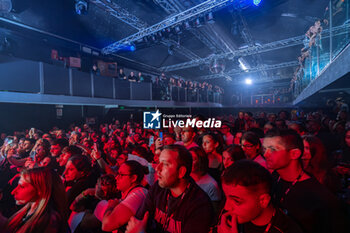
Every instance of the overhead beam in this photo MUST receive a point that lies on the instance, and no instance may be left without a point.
(252, 70)
(298, 40)
(168, 6)
(168, 22)
(118, 12)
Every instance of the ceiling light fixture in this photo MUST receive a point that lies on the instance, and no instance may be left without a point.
(81, 7)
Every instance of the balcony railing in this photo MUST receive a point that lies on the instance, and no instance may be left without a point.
(326, 46)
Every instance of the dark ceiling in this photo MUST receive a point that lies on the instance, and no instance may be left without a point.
(273, 20)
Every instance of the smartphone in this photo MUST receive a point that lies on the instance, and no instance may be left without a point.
(95, 146)
(151, 141)
(161, 135)
(8, 141)
(32, 155)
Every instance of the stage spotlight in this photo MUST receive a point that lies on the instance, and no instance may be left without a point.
(210, 17)
(257, 2)
(187, 25)
(178, 29)
(132, 48)
(128, 47)
(197, 23)
(81, 7)
(5, 6)
(248, 81)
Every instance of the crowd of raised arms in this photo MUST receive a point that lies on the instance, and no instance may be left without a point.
(286, 172)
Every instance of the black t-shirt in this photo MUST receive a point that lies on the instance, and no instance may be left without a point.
(79, 186)
(191, 212)
(24, 154)
(311, 205)
(280, 223)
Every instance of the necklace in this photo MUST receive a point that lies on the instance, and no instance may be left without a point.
(167, 209)
(270, 222)
(290, 187)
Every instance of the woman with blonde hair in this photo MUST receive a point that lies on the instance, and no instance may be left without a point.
(41, 191)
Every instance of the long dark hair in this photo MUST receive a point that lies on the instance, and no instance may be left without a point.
(51, 203)
(203, 161)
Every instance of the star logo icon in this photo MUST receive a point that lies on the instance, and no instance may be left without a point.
(156, 115)
(151, 120)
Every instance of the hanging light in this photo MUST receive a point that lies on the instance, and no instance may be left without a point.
(5, 6)
(210, 17)
(197, 23)
(187, 25)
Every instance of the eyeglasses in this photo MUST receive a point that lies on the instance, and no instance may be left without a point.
(122, 175)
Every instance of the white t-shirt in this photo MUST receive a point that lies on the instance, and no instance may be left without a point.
(133, 201)
(100, 209)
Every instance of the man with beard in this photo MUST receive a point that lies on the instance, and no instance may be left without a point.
(175, 202)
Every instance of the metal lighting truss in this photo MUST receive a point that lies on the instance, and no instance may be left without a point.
(204, 40)
(260, 68)
(256, 49)
(181, 49)
(248, 38)
(252, 70)
(168, 5)
(120, 13)
(168, 22)
(207, 34)
(176, 7)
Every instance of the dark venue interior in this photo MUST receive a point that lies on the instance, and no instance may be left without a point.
(182, 116)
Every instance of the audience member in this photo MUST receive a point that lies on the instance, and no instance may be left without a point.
(302, 197)
(249, 208)
(41, 192)
(175, 203)
(232, 154)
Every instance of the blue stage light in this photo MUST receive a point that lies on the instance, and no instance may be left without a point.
(127, 47)
(257, 2)
(130, 48)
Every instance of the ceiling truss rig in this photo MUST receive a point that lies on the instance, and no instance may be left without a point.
(168, 22)
(118, 12)
(248, 38)
(252, 70)
(207, 35)
(172, 7)
(256, 49)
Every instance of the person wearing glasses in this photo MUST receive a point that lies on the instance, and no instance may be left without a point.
(133, 194)
(251, 146)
